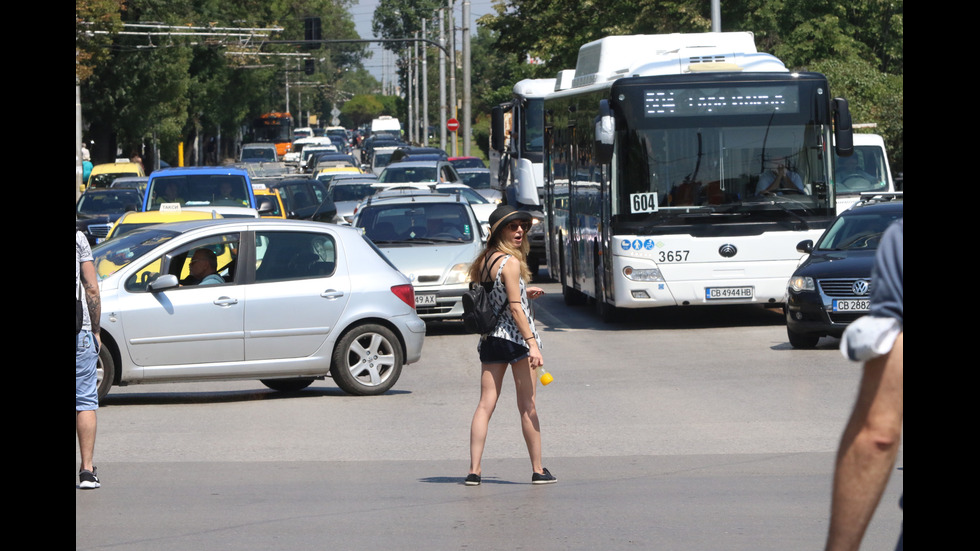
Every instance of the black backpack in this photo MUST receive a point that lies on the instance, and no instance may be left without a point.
(478, 314)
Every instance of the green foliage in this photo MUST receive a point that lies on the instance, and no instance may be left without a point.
(92, 18)
(360, 110)
(177, 87)
(873, 97)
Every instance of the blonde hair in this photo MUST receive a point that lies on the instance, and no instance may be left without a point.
(496, 244)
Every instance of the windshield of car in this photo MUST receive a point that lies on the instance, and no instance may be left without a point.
(857, 231)
(863, 171)
(200, 190)
(476, 180)
(115, 254)
(107, 202)
(395, 174)
(382, 159)
(350, 192)
(468, 163)
(105, 180)
(417, 222)
(258, 154)
(471, 196)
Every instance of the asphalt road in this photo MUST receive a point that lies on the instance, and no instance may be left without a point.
(676, 429)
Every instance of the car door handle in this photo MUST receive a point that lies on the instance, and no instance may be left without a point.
(225, 301)
(332, 294)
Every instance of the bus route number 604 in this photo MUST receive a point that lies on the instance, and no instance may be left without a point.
(644, 202)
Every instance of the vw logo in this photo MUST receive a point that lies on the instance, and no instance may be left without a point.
(860, 287)
(727, 250)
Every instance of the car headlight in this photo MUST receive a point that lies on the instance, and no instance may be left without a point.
(651, 274)
(801, 283)
(458, 274)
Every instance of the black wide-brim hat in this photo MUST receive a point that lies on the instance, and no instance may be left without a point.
(505, 214)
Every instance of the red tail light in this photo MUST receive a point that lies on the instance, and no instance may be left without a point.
(405, 292)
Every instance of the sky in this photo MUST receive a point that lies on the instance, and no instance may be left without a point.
(363, 11)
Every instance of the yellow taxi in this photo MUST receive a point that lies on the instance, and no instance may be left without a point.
(132, 221)
(104, 174)
(264, 194)
(328, 173)
(136, 220)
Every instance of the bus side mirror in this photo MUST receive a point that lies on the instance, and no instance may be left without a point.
(497, 129)
(605, 132)
(843, 131)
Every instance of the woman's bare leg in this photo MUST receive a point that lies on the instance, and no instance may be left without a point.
(491, 379)
(526, 386)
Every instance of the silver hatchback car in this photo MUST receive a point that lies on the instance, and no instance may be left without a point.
(432, 238)
(297, 301)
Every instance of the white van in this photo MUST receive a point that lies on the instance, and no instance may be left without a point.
(296, 152)
(866, 170)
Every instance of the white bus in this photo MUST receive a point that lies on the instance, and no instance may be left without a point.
(683, 169)
(517, 144)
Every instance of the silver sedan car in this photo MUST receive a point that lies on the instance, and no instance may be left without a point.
(281, 301)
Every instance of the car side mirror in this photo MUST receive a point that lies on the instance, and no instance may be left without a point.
(805, 246)
(164, 282)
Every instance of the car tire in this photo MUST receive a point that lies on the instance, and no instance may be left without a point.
(367, 360)
(802, 340)
(288, 385)
(106, 370)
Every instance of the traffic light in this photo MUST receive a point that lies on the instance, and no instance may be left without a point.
(313, 32)
(309, 66)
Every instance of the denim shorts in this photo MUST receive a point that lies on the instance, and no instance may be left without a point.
(494, 350)
(86, 374)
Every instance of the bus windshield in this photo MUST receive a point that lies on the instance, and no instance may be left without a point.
(738, 158)
(714, 167)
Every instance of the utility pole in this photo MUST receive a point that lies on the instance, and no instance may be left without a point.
(425, 90)
(452, 71)
(442, 80)
(467, 99)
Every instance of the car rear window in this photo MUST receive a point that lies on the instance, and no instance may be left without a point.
(437, 222)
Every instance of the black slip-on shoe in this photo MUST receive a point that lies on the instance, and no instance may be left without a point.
(543, 478)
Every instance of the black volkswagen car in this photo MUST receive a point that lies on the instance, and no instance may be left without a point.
(97, 209)
(832, 287)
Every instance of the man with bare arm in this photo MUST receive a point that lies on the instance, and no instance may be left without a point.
(87, 346)
(871, 439)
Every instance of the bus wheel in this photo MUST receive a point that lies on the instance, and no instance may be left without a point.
(571, 296)
(607, 312)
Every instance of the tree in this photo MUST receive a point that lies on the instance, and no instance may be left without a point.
(177, 87)
(362, 109)
(96, 21)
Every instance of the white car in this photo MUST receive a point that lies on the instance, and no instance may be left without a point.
(296, 150)
(300, 301)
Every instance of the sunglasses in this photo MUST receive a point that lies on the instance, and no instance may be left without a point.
(513, 226)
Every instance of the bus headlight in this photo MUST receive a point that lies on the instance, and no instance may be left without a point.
(801, 283)
(652, 274)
